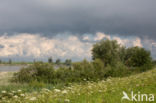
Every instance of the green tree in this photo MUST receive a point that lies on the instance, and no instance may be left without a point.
(122, 53)
(68, 62)
(107, 51)
(50, 60)
(136, 57)
(58, 61)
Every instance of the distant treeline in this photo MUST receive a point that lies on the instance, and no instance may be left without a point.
(67, 62)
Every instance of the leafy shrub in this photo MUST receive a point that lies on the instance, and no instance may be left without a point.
(83, 70)
(37, 72)
(120, 70)
(99, 68)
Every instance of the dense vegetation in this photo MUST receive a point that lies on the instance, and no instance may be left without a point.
(104, 91)
(109, 60)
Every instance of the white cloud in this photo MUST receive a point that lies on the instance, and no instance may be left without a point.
(35, 46)
(25, 45)
(128, 42)
(137, 42)
(100, 36)
(86, 38)
(122, 42)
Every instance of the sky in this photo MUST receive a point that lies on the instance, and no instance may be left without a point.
(38, 29)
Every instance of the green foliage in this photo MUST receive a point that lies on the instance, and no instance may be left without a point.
(36, 84)
(50, 60)
(82, 71)
(106, 50)
(120, 70)
(58, 61)
(110, 52)
(37, 72)
(105, 91)
(68, 62)
(154, 62)
(138, 57)
(122, 53)
(99, 68)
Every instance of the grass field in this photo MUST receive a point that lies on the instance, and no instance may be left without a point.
(105, 91)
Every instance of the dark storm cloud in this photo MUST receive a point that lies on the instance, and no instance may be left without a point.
(128, 17)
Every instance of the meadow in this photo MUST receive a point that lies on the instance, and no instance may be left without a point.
(103, 91)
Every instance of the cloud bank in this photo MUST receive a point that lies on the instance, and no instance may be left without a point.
(34, 46)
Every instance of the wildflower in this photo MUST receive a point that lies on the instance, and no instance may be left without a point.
(13, 91)
(15, 96)
(89, 87)
(100, 90)
(33, 98)
(64, 92)
(22, 95)
(67, 100)
(3, 92)
(3, 98)
(69, 87)
(84, 79)
(57, 90)
(46, 90)
(19, 90)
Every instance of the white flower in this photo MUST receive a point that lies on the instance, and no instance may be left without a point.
(66, 100)
(3, 91)
(22, 95)
(3, 98)
(64, 92)
(13, 91)
(57, 90)
(15, 96)
(33, 98)
(89, 87)
(19, 90)
(46, 90)
(84, 79)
